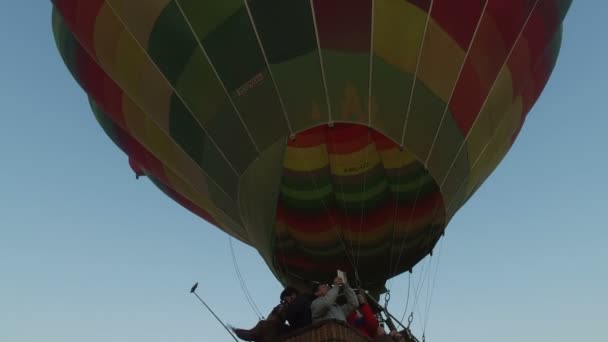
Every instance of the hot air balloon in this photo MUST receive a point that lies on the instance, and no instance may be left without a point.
(326, 134)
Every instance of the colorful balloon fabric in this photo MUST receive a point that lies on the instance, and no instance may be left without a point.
(324, 133)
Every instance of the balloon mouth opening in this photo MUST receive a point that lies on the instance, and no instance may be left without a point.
(351, 198)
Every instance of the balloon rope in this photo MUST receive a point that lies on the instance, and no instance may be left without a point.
(418, 289)
(447, 103)
(393, 270)
(268, 67)
(248, 296)
(371, 142)
(407, 300)
(345, 213)
(371, 64)
(432, 290)
(420, 49)
(217, 75)
(321, 63)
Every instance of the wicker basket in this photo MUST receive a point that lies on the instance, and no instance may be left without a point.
(327, 331)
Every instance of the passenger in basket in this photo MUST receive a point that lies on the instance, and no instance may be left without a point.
(325, 305)
(267, 330)
(297, 313)
(363, 318)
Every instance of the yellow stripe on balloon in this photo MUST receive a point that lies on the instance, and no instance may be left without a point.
(496, 107)
(135, 119)
(395, 159)
(354, 163)
(154, 139)
(495, 150)
(204, 98)
(106, 33)
(156, 94)
(440, 62)
(142, 80)
(140, 19)
(319, 238)
(202, 200)
(368, 237)
(398, 28)
(305, 159)
(173, 158)
(129, 66)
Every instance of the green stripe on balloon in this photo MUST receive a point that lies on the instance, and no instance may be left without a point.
(170, 53)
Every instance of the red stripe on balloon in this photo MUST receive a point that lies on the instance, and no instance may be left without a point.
(489, 52)
(309, 138)
(382, 142)
(142, 159)
(99, 86)
(324, 221)
(347, 138)
(344, 25)
(80, 16)
(458, 18)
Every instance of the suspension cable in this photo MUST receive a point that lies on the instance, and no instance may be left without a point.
(248, 296)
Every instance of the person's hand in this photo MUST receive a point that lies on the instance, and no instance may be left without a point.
(338, 281)
(397, 336)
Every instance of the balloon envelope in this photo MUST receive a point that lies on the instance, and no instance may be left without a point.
(325, 134)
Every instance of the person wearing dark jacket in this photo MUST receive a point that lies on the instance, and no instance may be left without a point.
(297, 312)
(267, 330)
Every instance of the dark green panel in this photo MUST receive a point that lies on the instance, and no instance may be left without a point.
(287, 34)
(299, 184)
(224, 197)
(448, 142)
(286, 28)
(66, 44)
(308, 206)
(259, 193)
(171, 43)
(390, 92)
(563, 6)
(235, 53)
(200, 89)
(216, 167)
(370, 180)
(206, 16)
(234, 50)
(262, 113)
(452, 183)
(366, 206)
(230, 135)
(425, 115)
(301, 85)
(108, 126)
(347, 77)
(188, 134)
(186, 131)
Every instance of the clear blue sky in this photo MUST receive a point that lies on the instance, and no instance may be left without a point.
(89, 254)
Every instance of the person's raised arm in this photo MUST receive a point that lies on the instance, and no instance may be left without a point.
(320, 305)
(351, 300)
